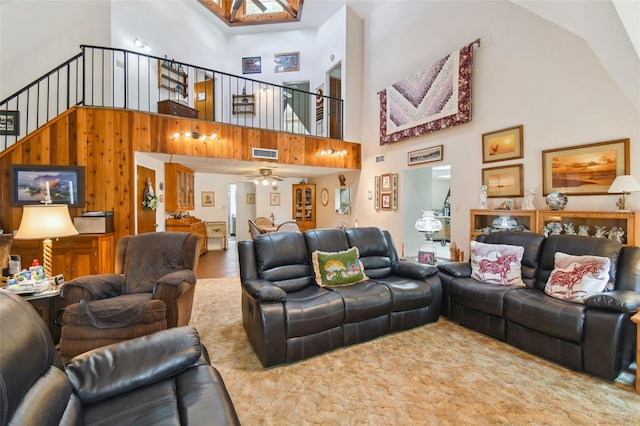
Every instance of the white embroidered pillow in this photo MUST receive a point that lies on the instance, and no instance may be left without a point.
(575, 277)
(497, 263)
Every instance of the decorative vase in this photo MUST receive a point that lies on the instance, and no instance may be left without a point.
(557, 201)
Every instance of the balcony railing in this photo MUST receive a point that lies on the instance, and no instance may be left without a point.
(118, 78)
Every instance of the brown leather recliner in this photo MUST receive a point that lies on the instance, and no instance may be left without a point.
(164, 378)
(152, 290)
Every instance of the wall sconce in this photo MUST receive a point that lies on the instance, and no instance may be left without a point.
(142, 45)
(331, 151)
(194, 135)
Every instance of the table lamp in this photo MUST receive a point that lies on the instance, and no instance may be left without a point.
(44, 222)
(624, 184)
(428, 224)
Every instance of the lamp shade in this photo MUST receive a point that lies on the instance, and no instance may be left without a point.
(624, 183)
(428, 223)
(45, 221)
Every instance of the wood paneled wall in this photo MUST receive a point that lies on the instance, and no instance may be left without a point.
(104, 141)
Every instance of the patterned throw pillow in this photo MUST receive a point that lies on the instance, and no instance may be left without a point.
(575, 277)
(338, 268)
(497, 263)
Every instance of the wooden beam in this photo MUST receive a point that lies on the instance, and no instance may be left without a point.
(287, 7)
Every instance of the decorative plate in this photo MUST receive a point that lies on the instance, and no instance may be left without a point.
(557, 200)
(324, 196)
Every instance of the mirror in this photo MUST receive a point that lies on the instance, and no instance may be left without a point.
(343, 200)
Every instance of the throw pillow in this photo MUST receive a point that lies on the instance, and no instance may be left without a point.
(497, 263)
(338, 268)
(575, 277)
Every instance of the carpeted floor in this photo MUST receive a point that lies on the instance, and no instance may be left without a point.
(436, 374)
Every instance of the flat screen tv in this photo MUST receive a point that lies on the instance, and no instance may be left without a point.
(29, 184)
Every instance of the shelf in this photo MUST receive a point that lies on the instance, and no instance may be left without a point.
(481, 220)
(172, 79)
(628, 221)
(243, 104)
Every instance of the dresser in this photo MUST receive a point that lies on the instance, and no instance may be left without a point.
(189, 224)
(176, 108)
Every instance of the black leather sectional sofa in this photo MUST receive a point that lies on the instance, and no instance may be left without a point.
(288, 316)
(596, 336)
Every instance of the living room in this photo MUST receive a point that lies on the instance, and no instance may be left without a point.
(536, 66)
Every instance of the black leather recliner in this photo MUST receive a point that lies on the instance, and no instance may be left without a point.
(288, 317)
(162, 378)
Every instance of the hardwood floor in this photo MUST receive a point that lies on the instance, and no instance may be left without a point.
(220, 263)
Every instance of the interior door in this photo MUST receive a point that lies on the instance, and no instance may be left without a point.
(335, 113)
(146, 218)
(204, 99)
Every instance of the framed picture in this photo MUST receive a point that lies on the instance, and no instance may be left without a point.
(386, 182)
(385, 200)
(251, 198)
(30, 183)
(505, 181)
(208, 199)
(376, 199)
(584, 169)
(505, 144)
(286, 62)
(394, 191)
(274, 199)
(9, 124)
(426, 155)
(252, 65)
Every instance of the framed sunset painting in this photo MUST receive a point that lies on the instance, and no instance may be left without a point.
(584, 169)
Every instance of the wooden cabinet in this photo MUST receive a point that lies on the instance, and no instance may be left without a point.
(170, 107)
(482, 220)
(80, 255)
(304, 205)
(628, 221)
(179, 192)
(172, 77)
(190, 224)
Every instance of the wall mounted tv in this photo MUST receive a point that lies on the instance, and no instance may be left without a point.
(28, 184)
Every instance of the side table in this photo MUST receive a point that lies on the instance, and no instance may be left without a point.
(636, 319)
(47, 304)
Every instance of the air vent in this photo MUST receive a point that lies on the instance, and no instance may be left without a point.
(379, 159)
(271, 154)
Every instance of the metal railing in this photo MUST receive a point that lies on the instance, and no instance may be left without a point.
(118, 78)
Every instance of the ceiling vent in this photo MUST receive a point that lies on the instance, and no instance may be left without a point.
(379, 159)
(271, 154)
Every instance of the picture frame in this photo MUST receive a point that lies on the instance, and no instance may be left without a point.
(425, 155)
(274, 199)
(287, 62)
(252, 65)
(394, 191)
(376, 199)
(503, 144)
(503, 181)
(251, 198)
(386, 182)
(208, 198)
(588, 169)
(9, 123)
(28, 184)
(385, 200)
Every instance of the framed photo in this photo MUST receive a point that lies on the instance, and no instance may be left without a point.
(286, 62)
(274, 199)
(251, 198)
(9, 124)
(426, 155)
(376, 198)
(505, 181)
(394, 191)
(208, 199)
(252, 65)
(386, 182)
(385, 200)
(29, 184)
(584, 169)
(505, 144)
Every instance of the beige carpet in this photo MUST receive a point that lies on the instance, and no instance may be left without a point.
(437, 374)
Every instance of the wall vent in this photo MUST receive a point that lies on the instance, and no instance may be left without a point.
(379, 158)
(271, 154)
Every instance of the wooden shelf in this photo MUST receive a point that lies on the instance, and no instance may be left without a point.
(243, 104)
(172, 79)
(629, 221)
(481, 220)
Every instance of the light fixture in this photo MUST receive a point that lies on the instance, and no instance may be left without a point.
(194, 135)
(44, 222)
(624, 184)
(142, 45)
(428, 224)
(331, 151)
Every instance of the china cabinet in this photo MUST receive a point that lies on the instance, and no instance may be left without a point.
(179, 192)
(304, 205)
(482, 220)
(602, 223)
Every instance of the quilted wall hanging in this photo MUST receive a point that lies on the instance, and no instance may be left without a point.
(434, 98)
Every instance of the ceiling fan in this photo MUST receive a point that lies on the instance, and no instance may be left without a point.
(265, 177)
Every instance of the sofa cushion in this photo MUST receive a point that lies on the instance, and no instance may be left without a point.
(282, 258)
(365, 300)
(575, 277)
(481, 297)
(497, 263)
(338, 268)
(408, 293)
(312, 310)
(376, 252)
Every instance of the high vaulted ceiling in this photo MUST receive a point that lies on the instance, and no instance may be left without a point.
(255, 12)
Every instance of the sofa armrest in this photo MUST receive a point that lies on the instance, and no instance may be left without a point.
(456, 269)
(618, 300)
(92, 287)
(122, 367)
(416, 271)
(264, 291)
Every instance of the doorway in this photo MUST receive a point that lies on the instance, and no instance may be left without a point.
(296, 107)
(335, 106)
(146, 219)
